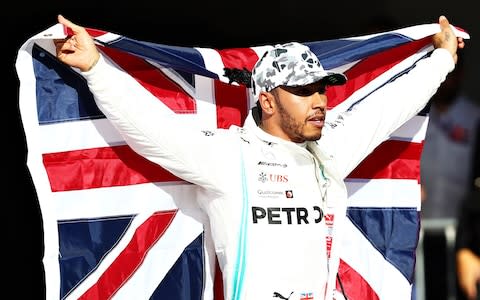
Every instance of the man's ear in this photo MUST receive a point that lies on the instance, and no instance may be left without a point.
(267, 102)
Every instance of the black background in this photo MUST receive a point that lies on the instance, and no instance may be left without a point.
(214, 24)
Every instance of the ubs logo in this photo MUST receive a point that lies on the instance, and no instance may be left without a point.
(264, 177)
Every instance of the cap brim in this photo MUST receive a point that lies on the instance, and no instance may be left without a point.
(334, 79)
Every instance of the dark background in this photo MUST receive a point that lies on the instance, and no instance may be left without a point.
(214, 24)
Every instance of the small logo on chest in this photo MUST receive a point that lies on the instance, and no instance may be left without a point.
(266, 177)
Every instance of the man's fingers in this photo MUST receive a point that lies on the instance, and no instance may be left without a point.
(442, 20)
(64, 21)
(444, 24)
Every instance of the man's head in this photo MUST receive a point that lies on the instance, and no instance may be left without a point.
(289, 83)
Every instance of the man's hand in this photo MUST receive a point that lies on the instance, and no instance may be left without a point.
(77, 50)
(447, 39)
(468, 272)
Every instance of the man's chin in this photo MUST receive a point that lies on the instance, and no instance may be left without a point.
(313, 137)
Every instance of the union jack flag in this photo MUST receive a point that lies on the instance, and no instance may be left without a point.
(117, 226)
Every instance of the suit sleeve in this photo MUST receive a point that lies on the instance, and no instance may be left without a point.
(178, 142)
(373, 120)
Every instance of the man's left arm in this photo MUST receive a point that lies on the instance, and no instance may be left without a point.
(373, 120)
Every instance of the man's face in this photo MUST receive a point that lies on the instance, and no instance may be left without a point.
(300, 111)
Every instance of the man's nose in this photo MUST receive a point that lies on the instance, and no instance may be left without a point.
(319, 101)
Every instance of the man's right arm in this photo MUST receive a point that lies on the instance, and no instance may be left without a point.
(148, 126)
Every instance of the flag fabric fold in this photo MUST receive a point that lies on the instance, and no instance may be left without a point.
(117, 226)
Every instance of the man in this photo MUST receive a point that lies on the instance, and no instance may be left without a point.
(467, 246)
(467, 239)
(268, 245)
(450, 139)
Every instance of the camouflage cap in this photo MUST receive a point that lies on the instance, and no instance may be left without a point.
(290, 64)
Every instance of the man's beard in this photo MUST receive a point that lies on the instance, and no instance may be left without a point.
(294, 129)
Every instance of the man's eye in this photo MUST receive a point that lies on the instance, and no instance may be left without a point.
(322, 89)
(304, 92)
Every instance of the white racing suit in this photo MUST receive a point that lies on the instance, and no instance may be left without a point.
(266, 197)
